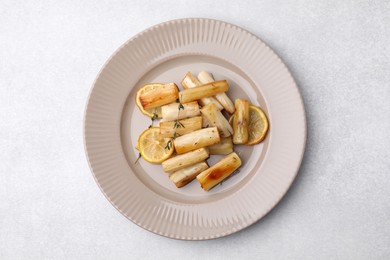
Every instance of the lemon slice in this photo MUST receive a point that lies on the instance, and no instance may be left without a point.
(148, 112)
(153, 147)
(258, 125)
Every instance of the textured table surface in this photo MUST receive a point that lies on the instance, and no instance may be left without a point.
(339, 205)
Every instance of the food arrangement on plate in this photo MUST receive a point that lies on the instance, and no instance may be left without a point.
(195, 123)
(143, 192)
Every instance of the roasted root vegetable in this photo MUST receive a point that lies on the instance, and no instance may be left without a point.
(177, 111)
(225, 146)
(177, 128)
(159, 96)
(206, 77)
(190, 81)
(186, 175)
(197, 139)
(216, 118)
(202, 91)
(218, 172)
(194, 126)
(241, 122)
(184, 160)
(205, 123)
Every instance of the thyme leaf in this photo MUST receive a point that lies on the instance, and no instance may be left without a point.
(175, 135)
(178, 124)
(139, 157)
(154, 117)
(169, 145)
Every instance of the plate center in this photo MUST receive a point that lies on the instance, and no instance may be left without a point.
(133, 122)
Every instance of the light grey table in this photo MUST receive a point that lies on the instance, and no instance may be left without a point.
(339, 205)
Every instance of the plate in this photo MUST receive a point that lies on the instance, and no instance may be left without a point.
(141, 191)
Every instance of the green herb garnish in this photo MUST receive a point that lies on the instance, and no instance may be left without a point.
(155, 116)
(139, 156)
(169, 145)
(178, 124)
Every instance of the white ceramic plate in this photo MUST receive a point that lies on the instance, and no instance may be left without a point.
(142, 192)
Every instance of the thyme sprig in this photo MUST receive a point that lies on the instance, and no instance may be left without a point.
(178, 124)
